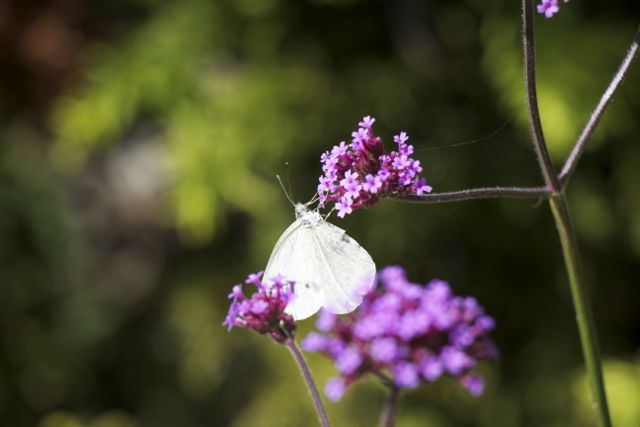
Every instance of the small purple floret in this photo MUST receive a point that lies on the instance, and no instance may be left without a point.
(431, 368)
(406, 375)
(326, 320)
(335, 388)
(315, 342)
(348, 361)
(367, 122)
(549, 7)
(344, 206)
(473, 383)
(384, 349)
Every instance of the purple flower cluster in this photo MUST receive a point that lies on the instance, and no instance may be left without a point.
(549, 7)
(406, 333)
(360, 173)
(264, 310)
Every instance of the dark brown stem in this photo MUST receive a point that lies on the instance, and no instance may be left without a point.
(572, 161)
(528, 48)
(481, 193)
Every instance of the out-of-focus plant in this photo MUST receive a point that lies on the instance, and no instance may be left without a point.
(180, 69)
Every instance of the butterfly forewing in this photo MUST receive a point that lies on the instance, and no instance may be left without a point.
(345, 268)
(290, 259)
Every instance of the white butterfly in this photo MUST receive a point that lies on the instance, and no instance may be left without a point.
(330, 269)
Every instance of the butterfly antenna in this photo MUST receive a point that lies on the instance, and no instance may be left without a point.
(285, 191)
(326, 217)
(313, 200)
(286, 166)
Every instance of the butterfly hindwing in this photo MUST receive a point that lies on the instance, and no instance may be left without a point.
(346, 268)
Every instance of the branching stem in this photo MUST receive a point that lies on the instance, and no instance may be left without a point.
(584, 316)
(554, 192)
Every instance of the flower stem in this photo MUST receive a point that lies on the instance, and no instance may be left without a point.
(558, 203)
(308, 379)
(529, 63)
(584, 316)
(388, 415)
(481, 193)
(594, 119)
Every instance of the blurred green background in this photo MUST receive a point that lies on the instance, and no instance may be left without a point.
(139, 143)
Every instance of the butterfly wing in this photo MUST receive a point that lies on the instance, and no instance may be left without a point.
(293, 257)
(344, 270)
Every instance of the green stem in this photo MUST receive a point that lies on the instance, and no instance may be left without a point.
(584, 316)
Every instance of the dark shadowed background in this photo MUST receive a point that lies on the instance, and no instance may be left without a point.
(139, 143)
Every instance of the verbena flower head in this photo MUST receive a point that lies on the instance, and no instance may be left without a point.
(408, 333)
(264, 310)
(360, 173)
(549, 7)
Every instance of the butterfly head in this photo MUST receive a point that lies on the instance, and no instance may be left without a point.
(308, 217)
(300, 210)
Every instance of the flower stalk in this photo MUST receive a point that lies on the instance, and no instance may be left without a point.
(264, 313)
(390, 408)
(308, 379)
(529, 63)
